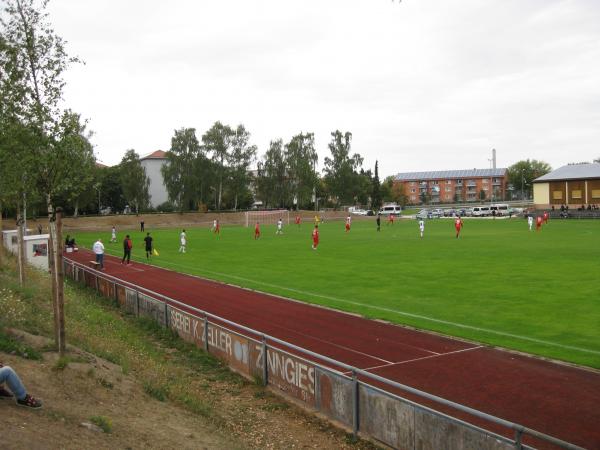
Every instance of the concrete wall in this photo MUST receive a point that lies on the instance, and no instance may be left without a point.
(157, 189)
(541, 194)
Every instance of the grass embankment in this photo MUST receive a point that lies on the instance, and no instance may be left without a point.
(168, 370)
(498, 284)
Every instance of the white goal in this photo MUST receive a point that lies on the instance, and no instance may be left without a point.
(267, 217)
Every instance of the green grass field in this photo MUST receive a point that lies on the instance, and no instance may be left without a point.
(499, 283)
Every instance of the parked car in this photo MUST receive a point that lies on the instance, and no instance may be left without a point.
(437, 212)
(369, 212)
(390, 209)
(481, 211)
(426, 214)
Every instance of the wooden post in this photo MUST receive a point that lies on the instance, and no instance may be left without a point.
(60, 280)
(20, 252)
(52, 269)
(1, 238)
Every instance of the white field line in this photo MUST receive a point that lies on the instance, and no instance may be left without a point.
(424, 357)
(394, 311)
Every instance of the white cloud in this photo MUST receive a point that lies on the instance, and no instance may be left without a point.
(422, 84)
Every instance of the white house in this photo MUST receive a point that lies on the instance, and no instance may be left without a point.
(153, 163)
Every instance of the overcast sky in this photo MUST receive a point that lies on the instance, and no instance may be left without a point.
(421, 84)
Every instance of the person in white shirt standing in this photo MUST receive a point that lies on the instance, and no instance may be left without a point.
(279, 226)
(182, 242)
(422, 227)
(113, 237)
(530, 222)
(99, 251)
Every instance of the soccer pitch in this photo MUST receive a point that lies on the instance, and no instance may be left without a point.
(499, 284)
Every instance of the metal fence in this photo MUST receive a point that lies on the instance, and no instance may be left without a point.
(359, 400)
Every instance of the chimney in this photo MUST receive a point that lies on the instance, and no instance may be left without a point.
(494, 158)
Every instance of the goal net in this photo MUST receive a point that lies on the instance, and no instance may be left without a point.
(267, 217)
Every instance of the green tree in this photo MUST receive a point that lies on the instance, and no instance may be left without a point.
(242, 154)
(218, 140)
(272, 181)
(341, 168)
(301, 161)
(522, 173)
(73, 145)
(33, 59)
(108, 179)
(134, 181)
(376, 196)
(180, 174)
(362, 187)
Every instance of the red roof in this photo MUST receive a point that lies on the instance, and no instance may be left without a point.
(158, 154)
(100, 165)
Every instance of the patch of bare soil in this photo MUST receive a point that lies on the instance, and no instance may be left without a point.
(89, 386)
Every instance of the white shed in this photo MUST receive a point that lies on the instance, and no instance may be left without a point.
(36, 249)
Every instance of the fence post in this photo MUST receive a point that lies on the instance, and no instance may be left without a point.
(518, 438)
(206, 334)
(264, 361)
(166, 315)
(137, 303)
(354, 405)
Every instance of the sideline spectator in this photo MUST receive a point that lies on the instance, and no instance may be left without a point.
(99, 251)
(127, 245)
(8, 375)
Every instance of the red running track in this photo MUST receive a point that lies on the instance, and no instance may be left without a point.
(555, 399)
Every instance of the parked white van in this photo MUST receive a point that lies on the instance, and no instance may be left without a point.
(481, 211)
(500, 208)
(390, 209)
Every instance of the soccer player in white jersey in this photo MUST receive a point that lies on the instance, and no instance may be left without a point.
(530, 222)
(421, 227)
(182, 242)
(279, 226)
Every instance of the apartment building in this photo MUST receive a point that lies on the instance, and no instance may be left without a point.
(448, 186)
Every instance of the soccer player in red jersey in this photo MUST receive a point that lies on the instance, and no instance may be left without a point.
(348, 221)
(458, 224)
(256, 231)
(391, 219)
(315, 237)
(538, 223)
(218, 227)
(546, 215)
(298, 220)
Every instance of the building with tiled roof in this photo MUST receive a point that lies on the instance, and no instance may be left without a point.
(153, 163)
(574, 184)
(448, 186)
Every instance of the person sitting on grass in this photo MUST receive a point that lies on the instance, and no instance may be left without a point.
(17, 390)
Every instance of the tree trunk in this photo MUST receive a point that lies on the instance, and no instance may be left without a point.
(220, 191)
(76, 213)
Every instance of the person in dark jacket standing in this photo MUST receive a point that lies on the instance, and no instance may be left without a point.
(378, 220)
(142, 225)
(127, 245)
(148, 242)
